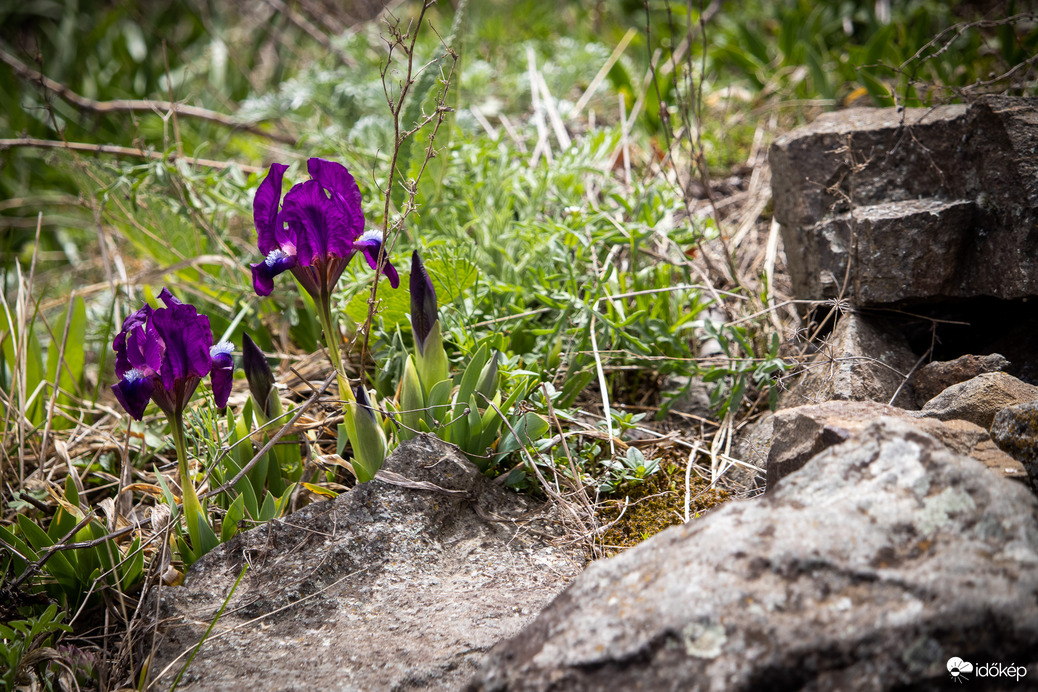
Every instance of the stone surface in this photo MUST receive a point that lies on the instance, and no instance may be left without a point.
(931, 203)
(753, 442)
(868, 570)
(969, 439)
(1015, 430)
(865, 359)
(901, 251)
(801, 433)
(980, 398)
(385, 587)
(933, 378)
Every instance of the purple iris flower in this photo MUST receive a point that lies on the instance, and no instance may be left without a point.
(315, 232)
(162, 354)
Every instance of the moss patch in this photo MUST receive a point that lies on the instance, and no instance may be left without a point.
(655, 504)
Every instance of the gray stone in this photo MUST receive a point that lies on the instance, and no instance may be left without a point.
(801, 433)
(979, 399)
(1015, 431)
(817, 170)
(923, 204)
(385, 587)
(753, 442)
(864, 359)
(901, 251)
(933, 378)
(869, 569)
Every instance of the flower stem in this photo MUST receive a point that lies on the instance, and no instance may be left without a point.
(331, 340)
(192, 508)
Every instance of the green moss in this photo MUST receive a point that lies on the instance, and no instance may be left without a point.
(653, 505)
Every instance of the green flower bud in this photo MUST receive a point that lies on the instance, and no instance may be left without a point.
(487, 384)
(411, 400)
(432, 361)
(369, 440)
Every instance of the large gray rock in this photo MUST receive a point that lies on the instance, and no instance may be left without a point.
(979, 399)
(928, 203)
(800, 433)
(869, 569)
(385, 587)
(864, 359)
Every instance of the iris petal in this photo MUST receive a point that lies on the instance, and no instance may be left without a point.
(317, 223)
(335, 179)
(129, 342)
(265, 208)
(163, 354)
(390, 271)
(320, 224)
(370, 244)
(186, 337)
(167, 297)
(134, 391)
(262, 279)
(263, 273)
(222, 373)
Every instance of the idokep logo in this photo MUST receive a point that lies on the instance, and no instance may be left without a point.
(958, 668)
(961, 670)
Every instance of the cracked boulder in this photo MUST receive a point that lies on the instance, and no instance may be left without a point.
(1015, 430)
(868, 569)
(403, 582)
(883, 206)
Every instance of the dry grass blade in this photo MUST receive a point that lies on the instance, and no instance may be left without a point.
(543, 147)
(688, 478)
(586, 97)
(602, 385)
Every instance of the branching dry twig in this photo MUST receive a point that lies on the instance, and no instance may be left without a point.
(405, 41)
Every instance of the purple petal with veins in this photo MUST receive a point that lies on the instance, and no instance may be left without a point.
(129, 343)
(265, 208)
(316, 224)
(342, 190)
(186, 337)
